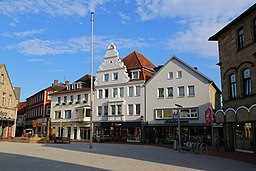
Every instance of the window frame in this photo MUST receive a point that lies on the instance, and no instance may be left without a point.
(247, 82)
(168, 93)
(115, 76)
(130, 109)
(179, 92)
(106, 77)
(190, 94)
(240, 37)
(160, 94)
(233, 86)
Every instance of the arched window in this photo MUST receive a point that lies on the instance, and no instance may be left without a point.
(233, 90)
(247, 82)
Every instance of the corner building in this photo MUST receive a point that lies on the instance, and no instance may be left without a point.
(237, 61)
(8, 105)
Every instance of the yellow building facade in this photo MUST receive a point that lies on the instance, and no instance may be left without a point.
(8, 105)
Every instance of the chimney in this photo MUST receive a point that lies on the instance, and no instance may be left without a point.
(55, 82)
(66, 83)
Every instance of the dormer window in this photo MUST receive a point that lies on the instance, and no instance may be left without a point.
(115, 76)
(135, 75)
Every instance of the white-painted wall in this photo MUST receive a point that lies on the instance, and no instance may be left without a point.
(189, 77)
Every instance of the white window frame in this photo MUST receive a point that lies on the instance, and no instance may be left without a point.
(158, 93)
(133, 75)
(121, 91)
(170, 75)
(179, 92)
(189, 93)
(167, 92)
(130, 113)
(99, 111)
(130, 91)
(115, 76)
(106, 77)
(114, 92)
(179, 74)
(137, 90)
(136, 107)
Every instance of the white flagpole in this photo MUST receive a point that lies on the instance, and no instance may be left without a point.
(91, 128)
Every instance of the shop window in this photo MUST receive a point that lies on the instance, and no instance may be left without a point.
(243, 136)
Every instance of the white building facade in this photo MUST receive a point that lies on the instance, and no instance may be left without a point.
(70, 111)
(178, 83)
(119, 100)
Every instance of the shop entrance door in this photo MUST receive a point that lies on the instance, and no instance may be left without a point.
(85, 133)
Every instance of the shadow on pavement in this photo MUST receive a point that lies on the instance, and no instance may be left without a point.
(157, 155)
(14, 162)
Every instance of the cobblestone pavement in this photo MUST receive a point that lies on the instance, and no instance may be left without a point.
(78, 156)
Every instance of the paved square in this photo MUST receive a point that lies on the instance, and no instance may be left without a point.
(78, 156)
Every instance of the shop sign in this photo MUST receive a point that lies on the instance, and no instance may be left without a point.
(208, 116)
(4, 114)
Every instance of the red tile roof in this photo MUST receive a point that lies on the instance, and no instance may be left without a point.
(135, 61)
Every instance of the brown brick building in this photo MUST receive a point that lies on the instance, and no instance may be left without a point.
(237, 61)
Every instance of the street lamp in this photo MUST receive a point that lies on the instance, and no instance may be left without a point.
(178, 113)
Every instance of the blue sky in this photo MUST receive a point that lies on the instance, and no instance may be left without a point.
(43, 40)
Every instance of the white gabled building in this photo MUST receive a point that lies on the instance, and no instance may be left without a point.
(119, 96)
(178, 83)
(70, 110)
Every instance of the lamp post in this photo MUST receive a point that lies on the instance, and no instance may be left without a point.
(178, 113)
(91, 68)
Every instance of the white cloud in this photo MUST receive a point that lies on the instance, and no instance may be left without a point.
(49, 7)
(201, 19)
(125, 18)
(74, 45)
(36, 60)
(23, 34)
